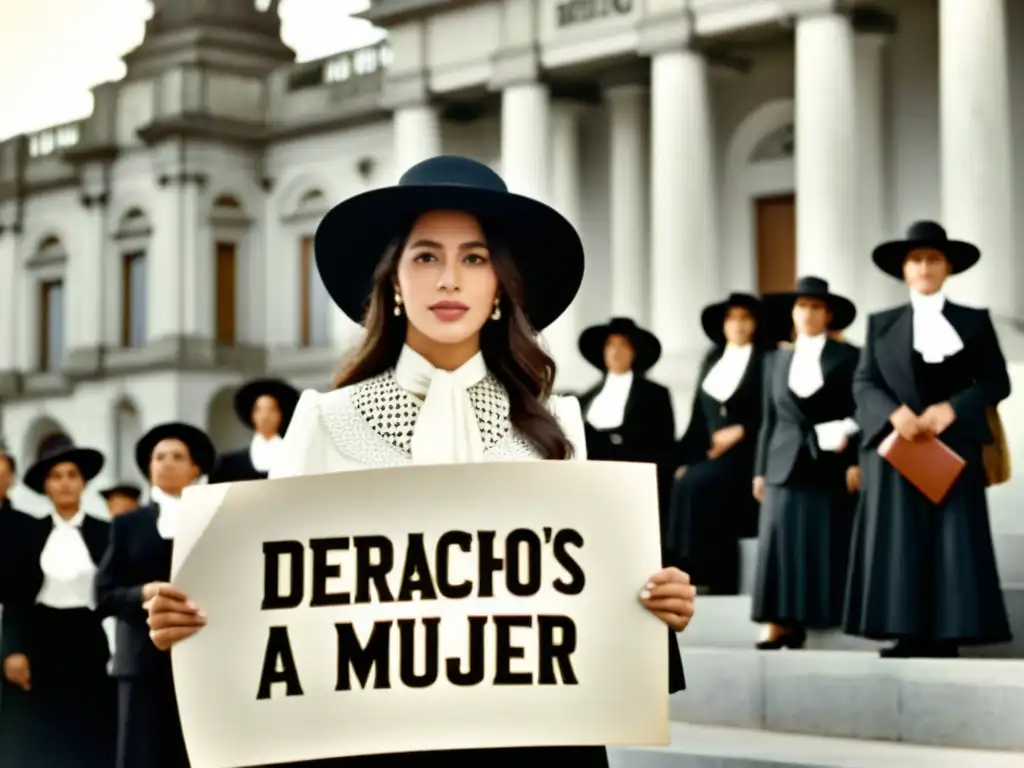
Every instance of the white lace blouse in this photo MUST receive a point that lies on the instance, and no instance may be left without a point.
(371, 425)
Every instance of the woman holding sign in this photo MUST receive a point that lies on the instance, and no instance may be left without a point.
(924, 574)
(451, 276)
(137, 562)
(59, 705)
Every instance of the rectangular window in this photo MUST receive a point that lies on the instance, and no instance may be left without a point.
(51, 325)
(314, 301)
(226, 294)
(135, 292)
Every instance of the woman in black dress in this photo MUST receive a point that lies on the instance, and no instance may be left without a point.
(59, 704)
(924, 574)
(137, 561)
(805, 469)
(711, 506)
(265, 405)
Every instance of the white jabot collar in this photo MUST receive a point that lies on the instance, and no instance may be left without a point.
(934, 336)
(263, 452)
(805, 377)
(446, 430)
(725, 376)
(608, 408)
(65, 557)
(167, 520)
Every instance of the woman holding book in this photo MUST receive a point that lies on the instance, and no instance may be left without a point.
(805, 468)
(924, 574)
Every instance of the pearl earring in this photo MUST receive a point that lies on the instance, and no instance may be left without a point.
(496, 314)
(398, 304)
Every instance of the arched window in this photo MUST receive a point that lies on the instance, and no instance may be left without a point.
(133, 238)
(778, 145)
(48, 266)
(230, 226)
(314, 302)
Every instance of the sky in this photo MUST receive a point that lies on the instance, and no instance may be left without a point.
(53, 51)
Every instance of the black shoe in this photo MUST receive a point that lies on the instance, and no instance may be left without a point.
(794, 640)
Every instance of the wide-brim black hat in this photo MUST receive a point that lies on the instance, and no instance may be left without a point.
(200, 447)
(646, 347)
(544, 246)
(58, 449)
(285, 394)
(844, 311)
(124, 489)
(712, 317)
(890, 257)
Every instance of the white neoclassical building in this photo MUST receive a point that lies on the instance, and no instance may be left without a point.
(159, 252)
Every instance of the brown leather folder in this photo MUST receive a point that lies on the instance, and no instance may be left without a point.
(927, 463)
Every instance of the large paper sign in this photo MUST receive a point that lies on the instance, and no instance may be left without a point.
(421, 608)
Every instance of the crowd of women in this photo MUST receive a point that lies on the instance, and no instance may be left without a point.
(452, 276)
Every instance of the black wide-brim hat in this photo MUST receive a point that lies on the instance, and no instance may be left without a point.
(712, 317)
(285, 394)
(844, 311)
(545, 247)
(890, 257)
(646, 347)
(200, 447)
(58, 449)
(124, 489)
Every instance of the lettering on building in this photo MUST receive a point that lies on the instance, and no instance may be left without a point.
(581, 11)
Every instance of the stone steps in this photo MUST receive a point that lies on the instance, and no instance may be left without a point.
(697, 746)
(724, 622)
(963, 703)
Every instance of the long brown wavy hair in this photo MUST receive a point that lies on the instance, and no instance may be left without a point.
(508, 344)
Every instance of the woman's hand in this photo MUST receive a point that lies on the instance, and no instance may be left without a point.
(172, 616)
(906, 422)
(669, 595)
(17, 671)
(680, 472)
(724, 439)
(853, 479)
(759, 483)
(937, 418)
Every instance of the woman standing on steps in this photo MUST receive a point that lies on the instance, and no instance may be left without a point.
(805, 469)
(59, 706)
(451, 275)
(924, 574)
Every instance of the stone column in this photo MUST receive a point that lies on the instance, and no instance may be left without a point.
(826, 151)
(977, 156)
(525, 139)
(684, 232)
(876, 290)
(628, 190)
(89, 275)
(10, 280)
(566, 193)
(417, 135)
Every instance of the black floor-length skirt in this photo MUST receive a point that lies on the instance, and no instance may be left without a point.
(921, 571)
(803, 547)
(69, 717)
(711, 508)
(149, 732)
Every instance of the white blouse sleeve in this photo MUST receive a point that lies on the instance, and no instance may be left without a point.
(302, 446)
(566, 409)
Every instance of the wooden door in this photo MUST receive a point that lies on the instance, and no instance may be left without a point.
(226, 294)
(776, 243)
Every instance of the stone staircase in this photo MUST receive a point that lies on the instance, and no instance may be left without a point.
(837, 704)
